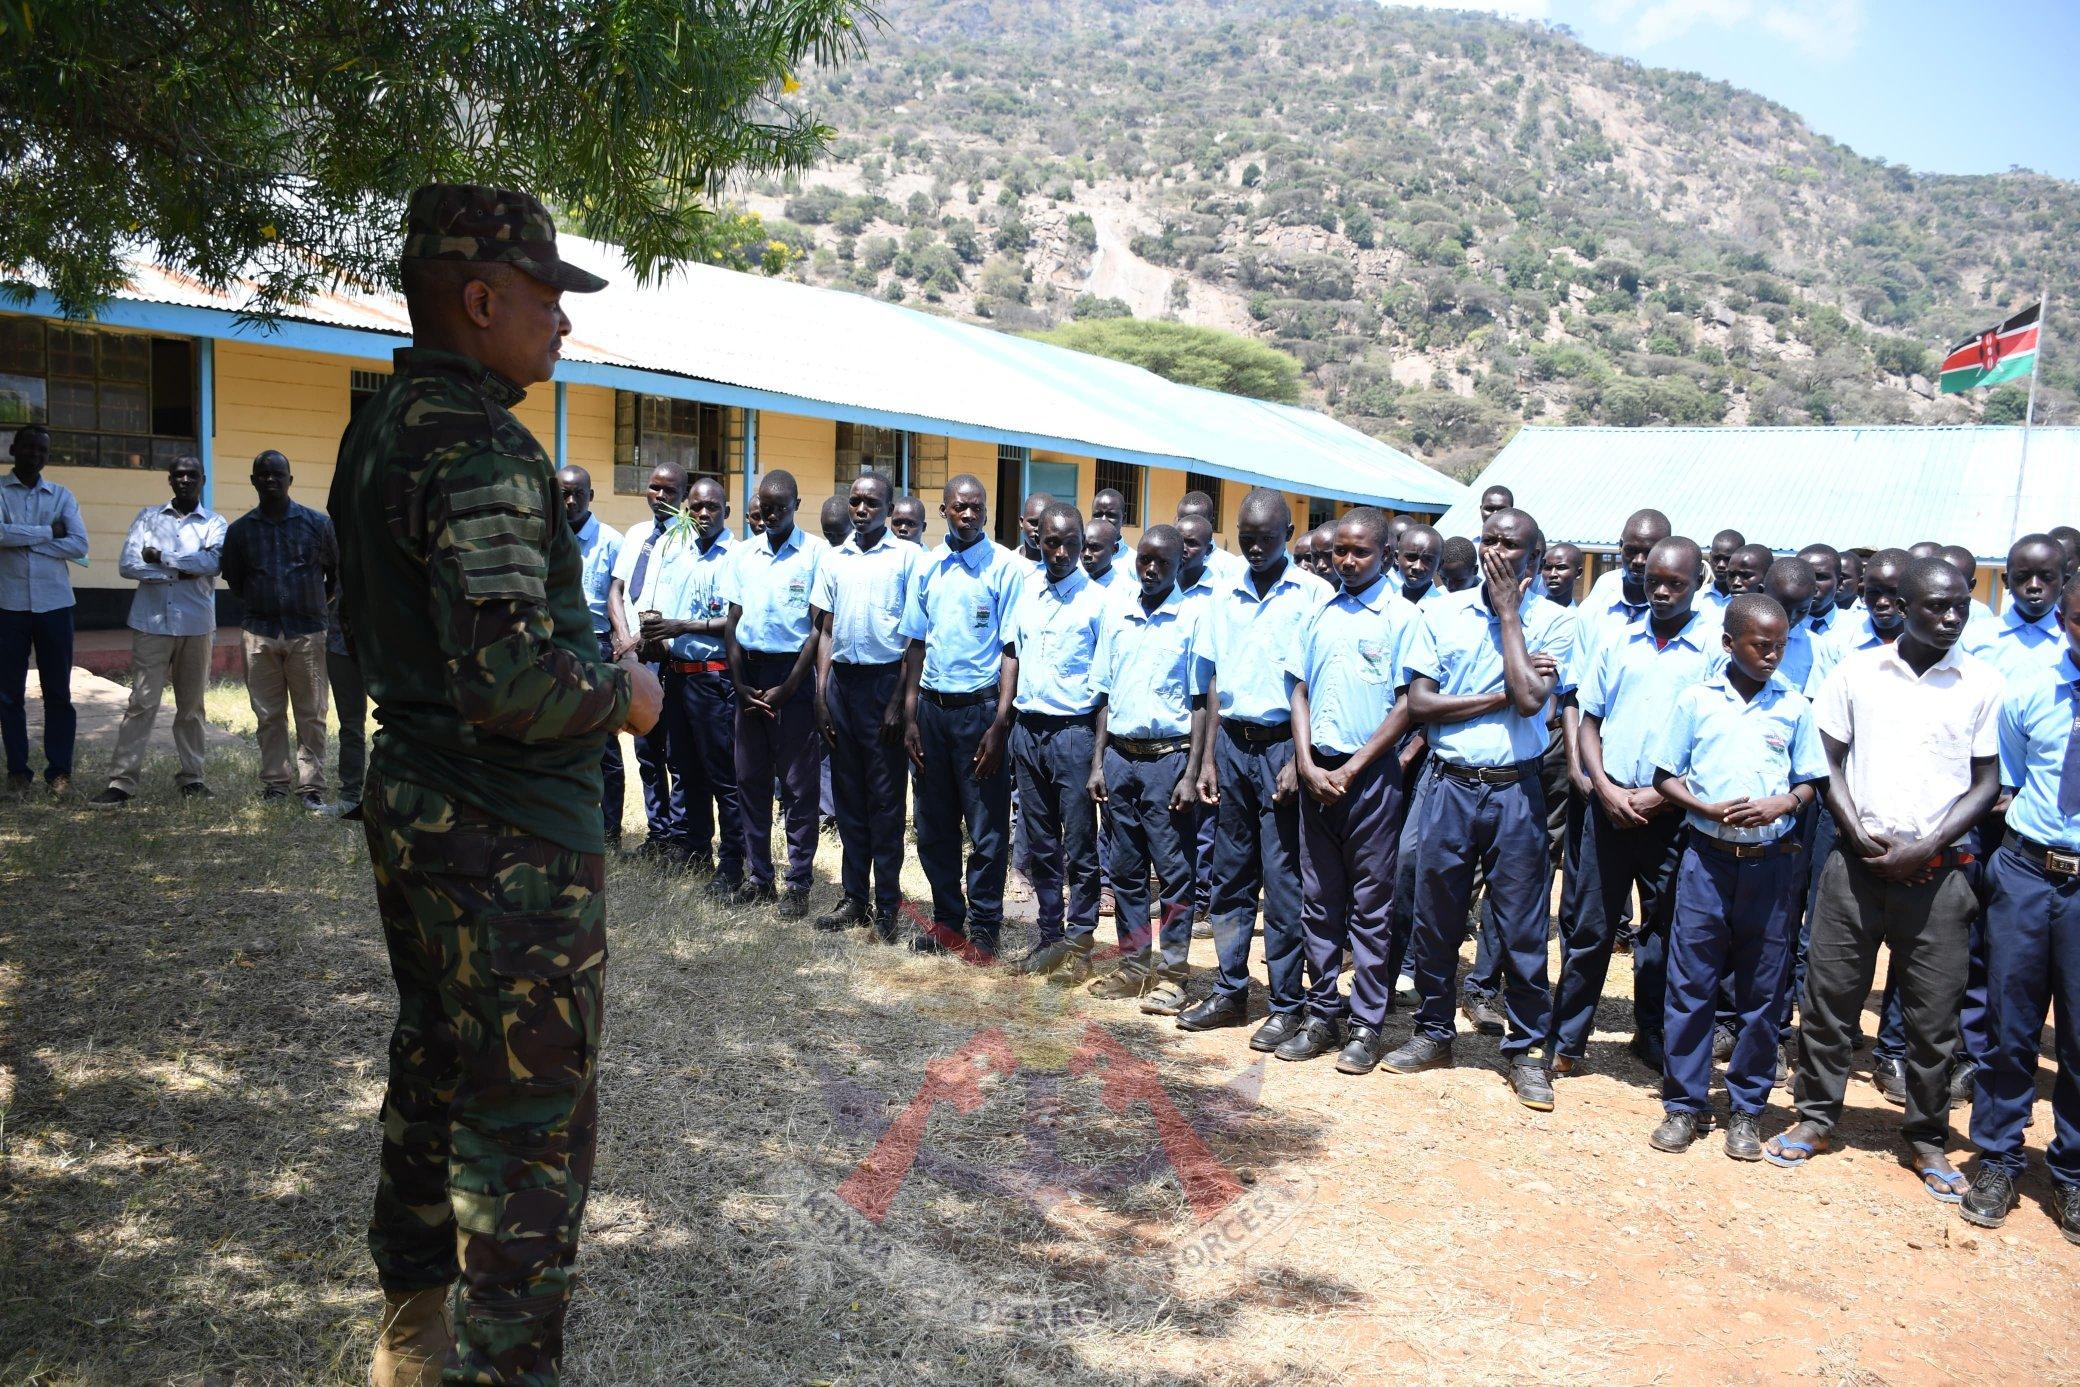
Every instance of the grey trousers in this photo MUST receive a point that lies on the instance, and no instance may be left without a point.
(1927, 931)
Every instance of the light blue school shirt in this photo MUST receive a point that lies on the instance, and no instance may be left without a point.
(1848, 637)
(1352, 657)
(1224, 566)
(1632, 687)
(1824, 623)
(1458, 644)
(1436, 592)
(1604, 614)
(599, 544)
(1108, 578)
(686, 584)
(1151, 665)
(1054, 630)
(1728, 747)
(772, 588)
(960, 606)
(2013, 646)
(2036, 722)
(865, 591)
(1713, 600)
(1251, 642)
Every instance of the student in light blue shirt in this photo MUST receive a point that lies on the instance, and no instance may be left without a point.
(2025, 637)
(1101, 551)
(1740, 754)
(1716, 593)
(2033, 940)
(1151, 732)
(958, 684)
(862, 588)
(1483, 666)
(1252, 625)
(1198, 573)
(599, 544)
(1054, 637)
(1633, 837)
(771, 648)
(1350, 710)
(1827, 575)
(1416, 556)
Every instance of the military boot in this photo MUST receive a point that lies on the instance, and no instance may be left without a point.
(414, 1340)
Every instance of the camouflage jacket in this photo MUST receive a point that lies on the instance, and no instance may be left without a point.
(461, 590)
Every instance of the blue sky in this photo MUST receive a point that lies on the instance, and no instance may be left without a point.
(1898, 80)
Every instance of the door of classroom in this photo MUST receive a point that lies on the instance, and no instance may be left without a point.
(1017, 480)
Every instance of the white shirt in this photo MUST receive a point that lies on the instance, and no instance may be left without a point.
(177, 595)
(1911, 737)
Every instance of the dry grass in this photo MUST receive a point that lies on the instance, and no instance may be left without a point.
(193, 1007)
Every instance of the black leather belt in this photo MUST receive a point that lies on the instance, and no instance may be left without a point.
(1257, 733)
(844, 668)
(1485, 775)
(959, 700)
(1055, 722)
(1149, 748)
(2057, 862)
(1748, 852)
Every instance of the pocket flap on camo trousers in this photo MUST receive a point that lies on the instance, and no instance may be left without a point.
(552, 943)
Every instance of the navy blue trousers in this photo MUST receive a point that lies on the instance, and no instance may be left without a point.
(779, 754)
(1205, 828)
(1053, 766)
(868, 784)
(700, 726)
(664, 796)
(49, 636)
(1256, 854)
(613, 783)
(1347, 857)
(1499, 831)
(1614, 862)
(2032, 967)
(1732, 930)
(1144, 833)
(953, 810)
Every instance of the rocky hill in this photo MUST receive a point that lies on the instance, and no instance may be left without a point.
(1457, 223)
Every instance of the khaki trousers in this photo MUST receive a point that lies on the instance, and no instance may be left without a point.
(285, 676)
(153, 661)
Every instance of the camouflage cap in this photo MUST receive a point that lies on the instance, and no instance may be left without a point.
(465, 221)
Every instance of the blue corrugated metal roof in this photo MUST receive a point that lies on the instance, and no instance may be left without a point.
(1789, 487)
(715, 334)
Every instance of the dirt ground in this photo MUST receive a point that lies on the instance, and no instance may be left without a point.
(193, 1008)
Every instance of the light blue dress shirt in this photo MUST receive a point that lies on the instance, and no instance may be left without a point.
(960, 607)
(1151, 665)
(2013, 646)
(865, 591)
(689, 586)
(177, 595)
(33, 572)
(1632, 687)
(1458, 644)
(1054, 631)
(1110, 579)
(1848, 636)
(1352, 657)
(2036, 723)
(772, 589)
(1603, 615)
(1251, 641)
(599, 544)
(1713, 600)
(1824, 623)
(1224, 566)
(1728, 747)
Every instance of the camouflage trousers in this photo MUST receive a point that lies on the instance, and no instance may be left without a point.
(497, 942)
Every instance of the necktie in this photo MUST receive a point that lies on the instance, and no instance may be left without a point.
(635, 579)
(1818, 624)
(2069, 773)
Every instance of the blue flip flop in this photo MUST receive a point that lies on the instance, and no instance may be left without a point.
(1776, 1157)
(1954, 1185)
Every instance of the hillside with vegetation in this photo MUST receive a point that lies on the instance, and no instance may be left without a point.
(1457, 224)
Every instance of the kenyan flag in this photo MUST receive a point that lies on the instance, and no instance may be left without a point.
(1997, 354)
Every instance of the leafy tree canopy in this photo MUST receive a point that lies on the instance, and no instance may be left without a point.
(278, 139)
(1201, 356)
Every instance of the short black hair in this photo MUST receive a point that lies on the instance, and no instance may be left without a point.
(1164, 536)
(781, 483)
(1677, 545)
(2035, 541)
(1057, 510)
(1924, 576)
(1370, 519)
(1458, 550)
(1961, 559)
(888, 490)
(1789, 578)
(1731, 536)
(1265, 502)
(1509, 498)
(1747, 608)
(955, 483)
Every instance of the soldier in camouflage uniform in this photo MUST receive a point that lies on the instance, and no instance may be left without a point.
(462, 595)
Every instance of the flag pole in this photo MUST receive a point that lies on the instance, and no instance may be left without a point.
(2029, 411)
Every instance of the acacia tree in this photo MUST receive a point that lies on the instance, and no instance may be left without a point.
(1187, 353)
(277, 140)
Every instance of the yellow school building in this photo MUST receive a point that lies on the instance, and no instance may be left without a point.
(731, 375)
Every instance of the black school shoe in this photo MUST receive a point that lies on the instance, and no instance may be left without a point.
(1362, 1054)
(1744, 1137)
(1889, 1077)
(1213, 1013)
(1417, 1053)
(1278, 1028)
(2066, 1199)
(1482, 1014)
(1676, 1132)
(1532, 1084)
(1987, 1202)
(843, 916)
(1316, 1036)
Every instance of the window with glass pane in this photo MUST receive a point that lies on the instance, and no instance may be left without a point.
(111, 399)
(863, 448)
(1199, 481)
(650, 430)
(1126, 479)
(1320, 511)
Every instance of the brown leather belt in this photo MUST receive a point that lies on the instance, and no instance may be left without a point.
(1148, 750)
(2058, 862)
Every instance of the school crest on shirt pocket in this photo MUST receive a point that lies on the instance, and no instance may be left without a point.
(1374, 656)
(798, 591)
(983, 610)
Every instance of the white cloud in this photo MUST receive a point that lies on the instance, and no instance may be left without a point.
(1508, 9)
(1818, 30)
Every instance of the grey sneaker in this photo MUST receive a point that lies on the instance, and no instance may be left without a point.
(1531, 1083)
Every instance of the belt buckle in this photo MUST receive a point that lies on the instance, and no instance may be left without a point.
(2064, 863)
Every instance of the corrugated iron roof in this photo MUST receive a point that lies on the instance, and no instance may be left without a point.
(835, 352)
(1852, 487)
